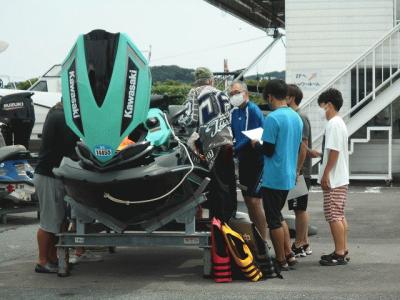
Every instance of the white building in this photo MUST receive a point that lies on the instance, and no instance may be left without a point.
(353, 45)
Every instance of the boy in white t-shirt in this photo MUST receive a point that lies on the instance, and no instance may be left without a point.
(334, 175)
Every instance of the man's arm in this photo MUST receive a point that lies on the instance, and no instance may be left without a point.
(266, 149)
(313, 153)
(302, 155)
(332, 160)
(191, 116)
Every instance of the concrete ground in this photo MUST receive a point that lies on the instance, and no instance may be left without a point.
(176, 273)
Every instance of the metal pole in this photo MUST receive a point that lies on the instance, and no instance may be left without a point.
(260, 56)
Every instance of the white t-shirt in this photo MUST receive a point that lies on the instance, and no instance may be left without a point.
(336, 138)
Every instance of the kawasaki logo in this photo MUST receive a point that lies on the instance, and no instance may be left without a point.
(74, 104)
(128, 111)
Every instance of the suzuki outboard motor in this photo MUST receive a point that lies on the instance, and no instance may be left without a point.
(106, 86)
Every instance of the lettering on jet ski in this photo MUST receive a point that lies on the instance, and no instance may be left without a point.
(74, 105)
(103, 151)
(74, 97)
(130, 95)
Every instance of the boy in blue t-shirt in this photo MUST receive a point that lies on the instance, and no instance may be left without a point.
(281, 141)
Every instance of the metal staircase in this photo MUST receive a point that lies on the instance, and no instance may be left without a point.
(368, 85)
(383, 176)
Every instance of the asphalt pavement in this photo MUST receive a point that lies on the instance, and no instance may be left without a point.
(373, 214)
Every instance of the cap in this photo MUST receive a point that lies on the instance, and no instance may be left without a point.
(202, 73)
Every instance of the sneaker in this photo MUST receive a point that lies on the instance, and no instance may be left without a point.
(47, 268)
(333, 259)
(291, 259)
(298, 251)
(346, 253)
(283, 265)
(307, 249)
(87, 256)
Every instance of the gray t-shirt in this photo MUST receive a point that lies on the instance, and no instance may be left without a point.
(306, 135)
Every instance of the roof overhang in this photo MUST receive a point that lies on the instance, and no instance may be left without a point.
(264, 14)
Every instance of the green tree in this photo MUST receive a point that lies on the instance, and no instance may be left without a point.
(21, 85)
(177, 91)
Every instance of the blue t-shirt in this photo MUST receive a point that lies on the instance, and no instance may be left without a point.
(283, 128)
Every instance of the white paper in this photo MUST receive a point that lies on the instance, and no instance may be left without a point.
(299, 190)
(254, 134)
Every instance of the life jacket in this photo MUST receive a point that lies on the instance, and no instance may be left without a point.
(260, 249)
(241, 253)
(221, 261)
(126, 142)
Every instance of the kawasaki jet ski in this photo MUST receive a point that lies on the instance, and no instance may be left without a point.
(106, 84)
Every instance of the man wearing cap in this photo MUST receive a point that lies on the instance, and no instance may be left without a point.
(207, 115)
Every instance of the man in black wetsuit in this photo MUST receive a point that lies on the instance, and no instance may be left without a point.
(57, 141)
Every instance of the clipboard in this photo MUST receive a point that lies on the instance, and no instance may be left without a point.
(254, 134)
(299, 190)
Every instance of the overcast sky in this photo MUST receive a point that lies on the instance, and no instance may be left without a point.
(188, 33)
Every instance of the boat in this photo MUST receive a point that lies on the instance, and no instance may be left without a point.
(106, 85)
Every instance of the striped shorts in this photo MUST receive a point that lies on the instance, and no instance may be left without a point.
(334, 203)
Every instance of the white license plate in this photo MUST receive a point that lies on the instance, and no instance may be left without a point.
(25, 187)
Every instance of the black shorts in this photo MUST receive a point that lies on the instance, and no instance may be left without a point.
(274, 201)
(250, 172)
(300, 203)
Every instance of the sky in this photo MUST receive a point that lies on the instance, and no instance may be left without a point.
(187, 33)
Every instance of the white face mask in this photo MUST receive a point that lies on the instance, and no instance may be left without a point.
(322, 113)
(237, 100)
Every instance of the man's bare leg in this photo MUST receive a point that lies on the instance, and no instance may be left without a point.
(257, 215)
(346, 232)
(278, 240)
(301, 228)
(338, 235)
(44, 239)
(287, 245)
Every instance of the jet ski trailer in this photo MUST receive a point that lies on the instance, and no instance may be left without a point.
(129, 193)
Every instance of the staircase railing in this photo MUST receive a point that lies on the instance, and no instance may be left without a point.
(360, 82)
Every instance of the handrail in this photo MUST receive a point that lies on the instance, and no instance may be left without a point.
(350, 66)
(362, 102)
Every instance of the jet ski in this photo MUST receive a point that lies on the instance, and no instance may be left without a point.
(106, 84)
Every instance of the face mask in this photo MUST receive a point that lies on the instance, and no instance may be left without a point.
(322, 113)
(237, 100)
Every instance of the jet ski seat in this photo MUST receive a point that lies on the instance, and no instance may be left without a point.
(8, 151)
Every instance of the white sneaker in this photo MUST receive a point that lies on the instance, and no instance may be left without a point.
(87, 256)
(307, 249)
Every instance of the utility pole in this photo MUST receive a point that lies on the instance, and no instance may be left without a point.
(226, 70)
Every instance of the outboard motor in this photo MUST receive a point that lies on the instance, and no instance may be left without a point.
(18, 114)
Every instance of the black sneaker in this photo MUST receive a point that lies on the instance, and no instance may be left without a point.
(298, 251)
(333, 259)
(291, 259)
(346, 255)
(307, 249)
(47, 268)
(283, 265)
